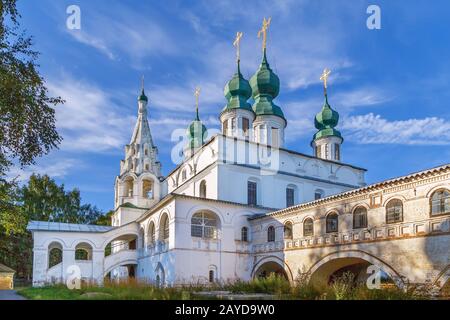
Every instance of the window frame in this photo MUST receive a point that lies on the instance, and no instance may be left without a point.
(244, 234)
(271, 234)
(252, 191)
(443, 190)
(327, 229)
(365, 219)
(307, 220)
(213, 230)
(290, 189)
(288, 225)
(388, 213)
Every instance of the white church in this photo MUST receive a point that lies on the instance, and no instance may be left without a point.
(241, 205)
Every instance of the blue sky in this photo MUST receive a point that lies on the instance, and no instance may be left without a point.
(390, 86)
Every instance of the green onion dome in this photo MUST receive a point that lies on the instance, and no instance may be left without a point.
(237, 91)
(265, 86)
(196, 133)
(326, 121)
(142, 96)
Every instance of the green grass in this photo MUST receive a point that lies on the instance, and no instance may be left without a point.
(342, 289)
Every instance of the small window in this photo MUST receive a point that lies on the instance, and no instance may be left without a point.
(319, 151)
(288, 231)
(225, 127)
(146, 167)
(211, 276)
(146, 152)
(308, 227)
(440, 202)
(326, 151)
(360, 218)
(244, 234)
(394, 211)
(233, 125)
(275, 138)
(318, 194)
(252, 193)
(245, 127)
(290, 197)
(337, 151)
(183, 175)
(271, 234)
(332, 222)
(203, 189)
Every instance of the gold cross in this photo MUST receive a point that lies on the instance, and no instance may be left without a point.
(263, 31)
(324, 78)
(236, 43)
(196, 94)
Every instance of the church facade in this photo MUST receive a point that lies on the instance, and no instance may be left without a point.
(241, 205)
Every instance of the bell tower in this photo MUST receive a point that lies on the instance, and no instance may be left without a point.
(138, 184)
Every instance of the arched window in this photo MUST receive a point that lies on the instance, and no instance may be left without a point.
(332, 222)
(394, 211)
(204, 224)
(203, 189)
(55, 251)
(360, 218)
(288, 230)
(440, 202)
(318, 194)
(164, 228)
(244, 234)
(151, 234)
(308, 227)
(211, 276)
(83, 251)
(271, 234)
(147, 189)
(146, 152)
(128, 187)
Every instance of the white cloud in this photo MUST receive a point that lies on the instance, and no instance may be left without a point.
(373, 129)
(55, 169)
(89, 120)
(131, 33)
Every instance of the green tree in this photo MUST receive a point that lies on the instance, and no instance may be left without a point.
(27, 117)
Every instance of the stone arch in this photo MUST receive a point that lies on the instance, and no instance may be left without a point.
(118, 236)
(83, 251)
(272, 262)
(151, 232)
(443, 278)
(202, 189)
(205, 224)
(128, 186)
(322, 269)
(55, 251)
(141, 238)
(436, 188)
(163, 227)
(396, 196)
(288, 230)
(160, 275)
(204, 207)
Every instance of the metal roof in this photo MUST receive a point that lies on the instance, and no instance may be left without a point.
(65, 227)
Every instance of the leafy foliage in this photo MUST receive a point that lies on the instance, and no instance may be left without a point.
(27, 117)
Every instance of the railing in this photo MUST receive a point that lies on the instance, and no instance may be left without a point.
(385, 232)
